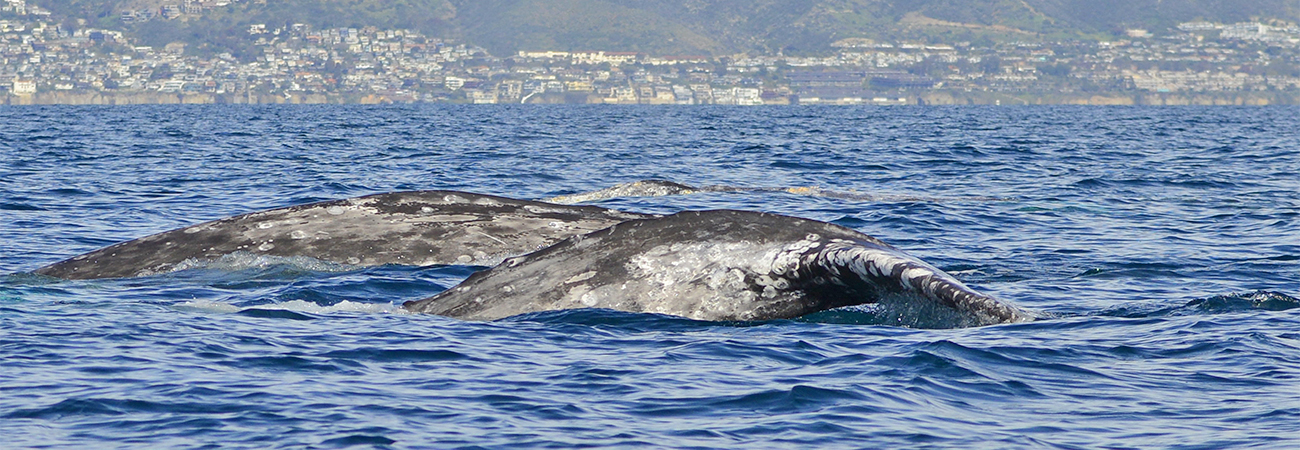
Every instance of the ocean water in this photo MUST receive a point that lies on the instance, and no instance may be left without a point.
(1162, 246)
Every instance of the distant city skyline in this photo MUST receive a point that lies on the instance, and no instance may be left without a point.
(45, 61)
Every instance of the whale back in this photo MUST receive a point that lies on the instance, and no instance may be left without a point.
(711, 265)
(409, 228)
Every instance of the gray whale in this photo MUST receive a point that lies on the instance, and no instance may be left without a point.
(709, 265)
(713, 265)
(408, 228)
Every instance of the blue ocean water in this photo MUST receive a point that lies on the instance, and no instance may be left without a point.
(1162, 245)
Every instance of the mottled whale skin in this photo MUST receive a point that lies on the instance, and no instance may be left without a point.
(660, 188)
(409, 228)
(713, 265)
(642, 188)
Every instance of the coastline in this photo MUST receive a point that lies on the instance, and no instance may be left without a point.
(934, 97)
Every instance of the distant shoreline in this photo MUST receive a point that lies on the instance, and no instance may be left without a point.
(933, 97)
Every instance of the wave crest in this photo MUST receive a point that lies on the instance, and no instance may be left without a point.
(1265, 300)
(296, 306)
(241, 261)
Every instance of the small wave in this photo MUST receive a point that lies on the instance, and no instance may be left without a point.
(401, 355)
(902, 311)
(99, 406)
(598, 317)
(207, 306)
(896, 310)
(1265, 300)
(70, 192)
(244, 261)
(293, 306)
(359, 439)
(274, 314)
(1226, 303)
(19, 207)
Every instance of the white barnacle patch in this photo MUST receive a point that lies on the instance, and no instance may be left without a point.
(507, 289)
(266, 246)
(192, 230)
(933, 286)
(718, 280)
(851, 260)
(426, 210)
(454, 199)
(870, 269)
(781, 284)
(886, 262)
(786, 259)
(842, 255)
(542, 210)
(589, 299)
(334, 210)
(354, 260)
(580, 295)
(910, 274)
(265, 225)
(710, 280)
(580, 277)
(464, 258)
(298, 234)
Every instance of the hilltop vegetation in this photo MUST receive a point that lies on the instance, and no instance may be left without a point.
(681, 27)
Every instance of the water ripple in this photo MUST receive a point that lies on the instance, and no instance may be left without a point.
(1158, 243)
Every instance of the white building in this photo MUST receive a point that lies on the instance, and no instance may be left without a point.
(24, 87)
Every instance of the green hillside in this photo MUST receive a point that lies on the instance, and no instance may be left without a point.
(667, 27)
(1103, 15)
(803, 26)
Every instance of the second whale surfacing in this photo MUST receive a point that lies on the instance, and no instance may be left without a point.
(720, 265)
(405, 228)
